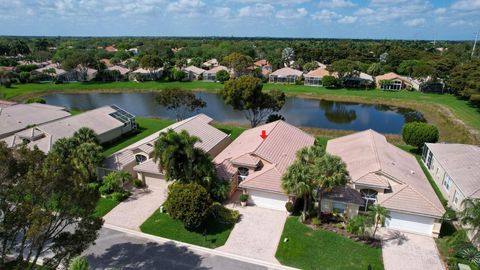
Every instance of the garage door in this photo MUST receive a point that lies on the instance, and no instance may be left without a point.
(267, 199)
(410, 223)
(155, 180)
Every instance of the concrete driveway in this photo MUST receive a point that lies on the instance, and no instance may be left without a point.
(409, 251)
(257, 234)
(132, 212)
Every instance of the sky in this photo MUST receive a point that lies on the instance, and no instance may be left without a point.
(377, 19)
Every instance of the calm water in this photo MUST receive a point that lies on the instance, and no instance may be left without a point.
(297, 111)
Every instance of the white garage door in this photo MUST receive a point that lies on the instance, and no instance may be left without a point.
(155, 180)
(410, 223)
(267, 199)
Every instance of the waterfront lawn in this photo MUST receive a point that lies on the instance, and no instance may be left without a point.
(104, 206)
(160, 224)
(318, 249)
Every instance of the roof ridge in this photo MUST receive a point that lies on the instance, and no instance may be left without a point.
(268, 136)
(273, 166)
(428, 200)
(374, 145)
(395, 193)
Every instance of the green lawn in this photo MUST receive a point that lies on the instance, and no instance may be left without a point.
(104, 206)
(162, 225)
(317, 249)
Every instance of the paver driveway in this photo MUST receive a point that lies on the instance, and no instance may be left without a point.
(132, 212)
(257, 234)
(409, 251)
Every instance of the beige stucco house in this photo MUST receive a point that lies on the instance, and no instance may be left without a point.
(285, 75)
(137, 159)
(386, 175)
(256, 165)
(211, 75)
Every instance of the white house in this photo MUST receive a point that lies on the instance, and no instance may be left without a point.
(193, 73)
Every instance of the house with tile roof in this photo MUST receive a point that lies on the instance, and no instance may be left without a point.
(285, 75)
(137, 158)
(256, 165)
(264, 66)
(455, 168)
(314, 77)
(211, 75)
(386, 175)
(193, 73)
(394, 82)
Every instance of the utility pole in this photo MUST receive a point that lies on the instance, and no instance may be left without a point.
(474, 44)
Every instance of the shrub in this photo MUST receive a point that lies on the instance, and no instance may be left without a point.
(188, 203)
(470, 254)
(417, 134)
(119, 196)
(26, 68)
(222, 76)
(223, 214)
(79, 263)
(137, 183)
(329, 82)
(177, 75)
(114, 182)
(24, 77)
(290, 207)
(316, 221)
(36, 100)
(274, 117)
(244, 197)
(219, 190)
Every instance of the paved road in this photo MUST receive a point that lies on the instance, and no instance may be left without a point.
(119, 250)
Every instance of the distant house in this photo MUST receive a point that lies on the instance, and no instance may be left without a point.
(49, 72)
(123, 70)
(15, 118)
(210, 64)
(388, 176)
(264, 66)
(134, 51)
(110, 49)
(193, 73)
(361, 80)
(106, 62)
(87, 75)
(394, 82)
(285, 75)
(211, 75)
(455, 168)
(256, 165)
(145, 75)
(137, 159)
(109, 123)
(314, 77)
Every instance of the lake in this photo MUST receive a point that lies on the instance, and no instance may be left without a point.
(298, 111)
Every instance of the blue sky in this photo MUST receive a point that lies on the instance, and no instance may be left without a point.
(380, 19)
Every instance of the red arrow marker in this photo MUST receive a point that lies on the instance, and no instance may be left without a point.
(264, 134)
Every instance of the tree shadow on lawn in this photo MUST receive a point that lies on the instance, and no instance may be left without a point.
(146, 256)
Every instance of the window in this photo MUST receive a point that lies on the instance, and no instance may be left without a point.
(140, 159)
(425, 153)
(429, 162)
(339, 207)
(455, 198)
(447, 181)
(242, 173)
(369, 197)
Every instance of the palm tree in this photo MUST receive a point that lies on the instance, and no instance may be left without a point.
(378, 214)
(470, 215)
(288, 55)
(329, 172)
(297, 181)
(85, 135)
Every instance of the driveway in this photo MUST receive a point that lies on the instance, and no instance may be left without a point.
(132, 212)
(409, 251)
(257, 234)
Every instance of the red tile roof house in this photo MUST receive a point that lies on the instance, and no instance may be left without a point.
(314, 77)
(211, 75)
(285, 75)
(386, 175)
(394, 82)
(193, 73)
(256, 166)
(264, 66)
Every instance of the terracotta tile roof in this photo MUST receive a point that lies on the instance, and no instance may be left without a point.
(195, 70)
(261, 63)
(462, 164)
(246, 160)
(216, 69)
(276, 152)
(122, 70)
(286, 71)
(369, 152)
(373, 179)
(319, 73)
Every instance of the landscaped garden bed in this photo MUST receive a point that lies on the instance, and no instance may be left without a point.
(306, 248)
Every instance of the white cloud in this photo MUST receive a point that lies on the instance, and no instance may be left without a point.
(257, 10)
(466, 5)
(222, 12)
(415, 22)
(185, 6)
(336, 4)
(292, 13)
(347, 20)
(326, 15)
(364, 11)
(440, 11)
(272, 2)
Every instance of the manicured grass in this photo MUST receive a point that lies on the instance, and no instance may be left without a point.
(147, 126)
(104, 206)
(317, 249)
(162, 225)
(232, 130)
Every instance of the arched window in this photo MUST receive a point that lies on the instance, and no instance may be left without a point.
(140, 158)
(242, 173)
(369, 197)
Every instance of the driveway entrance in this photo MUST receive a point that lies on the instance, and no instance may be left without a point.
(132, 212)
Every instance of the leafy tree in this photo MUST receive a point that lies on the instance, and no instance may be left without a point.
(297, 181)
(222, 76)
(418, 133)
(181, 102)
(115, 182)
(274, 117)
(188, 203)
(406, 67)
(238, 62)
(470, 215)
(79, 263)
(152, 63)
(310, 66)
(464, 80)
(178, 75)
(36, 100)
(196, 61)
(18, 47)
(345, 68)
(329, 82)
(245, 94)
(375, 69)
(80, 60)
(378, 214)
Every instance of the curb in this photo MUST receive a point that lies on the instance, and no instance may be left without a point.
(199, 248)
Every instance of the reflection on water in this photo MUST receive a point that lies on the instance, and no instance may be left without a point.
(297, 111)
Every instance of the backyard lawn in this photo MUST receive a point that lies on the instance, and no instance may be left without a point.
(162, 225)
(104, 206)
(317, 249)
